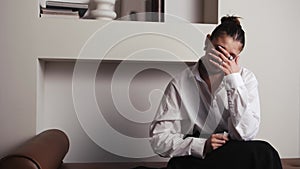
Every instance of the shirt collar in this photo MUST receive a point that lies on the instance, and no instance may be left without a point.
(196, 73)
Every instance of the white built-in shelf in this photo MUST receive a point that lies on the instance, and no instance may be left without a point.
(190, 11)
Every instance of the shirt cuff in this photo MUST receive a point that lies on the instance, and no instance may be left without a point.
(233, 80)
(198, 147)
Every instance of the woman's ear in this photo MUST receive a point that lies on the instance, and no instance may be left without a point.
(237, 59)
(208, 36)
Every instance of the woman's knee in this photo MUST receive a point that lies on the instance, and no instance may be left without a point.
(263, 148)
(262, 145)
(252, 147)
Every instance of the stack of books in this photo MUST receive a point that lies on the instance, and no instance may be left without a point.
(63, 8)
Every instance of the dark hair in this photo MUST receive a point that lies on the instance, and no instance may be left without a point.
(230, 25)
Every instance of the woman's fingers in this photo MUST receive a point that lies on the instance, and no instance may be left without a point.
(217, 140)
(220, 136)
(220, 66)
(215, 57)
(225, 53)
(215, 146)
(222, 55)
(221, 61)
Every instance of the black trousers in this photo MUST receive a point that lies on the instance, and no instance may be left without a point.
(232, 155)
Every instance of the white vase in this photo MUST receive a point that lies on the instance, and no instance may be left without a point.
(101, 9)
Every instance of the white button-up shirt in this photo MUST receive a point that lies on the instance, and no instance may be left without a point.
(188, 107)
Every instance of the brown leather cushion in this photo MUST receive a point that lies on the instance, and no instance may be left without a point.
(291, 163)
(44, 151)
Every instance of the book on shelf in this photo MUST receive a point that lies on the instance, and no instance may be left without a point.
(79, 4)
(63, 8)
(59, 16)
(59, 13)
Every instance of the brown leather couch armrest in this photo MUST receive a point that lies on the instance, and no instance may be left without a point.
(44, 151)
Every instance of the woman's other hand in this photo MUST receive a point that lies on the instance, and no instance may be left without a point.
(215, 141)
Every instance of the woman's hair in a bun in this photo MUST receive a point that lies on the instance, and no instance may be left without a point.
(230, 26)
(230, 19)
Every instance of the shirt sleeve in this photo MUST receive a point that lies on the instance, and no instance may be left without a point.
(166, 137)
(243, 105)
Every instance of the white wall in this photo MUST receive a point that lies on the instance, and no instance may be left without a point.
(191, 13)
(271, 52)
(195, 11)
(17, 72)
(272, 35)
(137, 88)
(58, 102)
